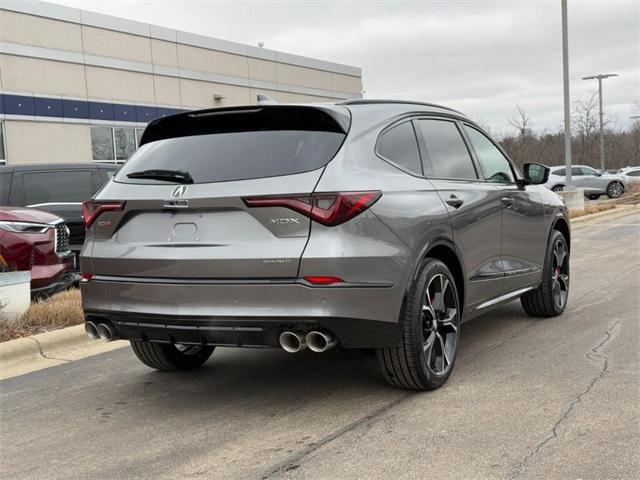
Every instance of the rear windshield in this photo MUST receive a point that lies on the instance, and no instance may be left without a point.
(223, 157)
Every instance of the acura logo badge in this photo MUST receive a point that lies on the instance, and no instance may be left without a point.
(179, 191)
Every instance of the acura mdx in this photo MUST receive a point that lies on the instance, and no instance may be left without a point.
(379, 225)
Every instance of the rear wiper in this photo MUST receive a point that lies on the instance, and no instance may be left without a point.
(178, 176)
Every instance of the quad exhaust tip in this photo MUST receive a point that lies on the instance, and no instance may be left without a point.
(101, 331)
(292, 342)
(105, 332)
(320, 341)
(91, 330)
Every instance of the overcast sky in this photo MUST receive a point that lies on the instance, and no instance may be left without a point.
(481, 57)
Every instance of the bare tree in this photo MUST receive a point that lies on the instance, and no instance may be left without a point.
(585, 124)
(521, 122)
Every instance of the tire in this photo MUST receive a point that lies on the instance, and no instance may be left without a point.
(550, 298)
(614, 190)
(168, 357)
(430, 326)
(593, 196)
(557, 188)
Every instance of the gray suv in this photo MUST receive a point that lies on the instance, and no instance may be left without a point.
(378, 225)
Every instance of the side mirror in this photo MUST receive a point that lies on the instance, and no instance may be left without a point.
(536, 173)
(598, 174)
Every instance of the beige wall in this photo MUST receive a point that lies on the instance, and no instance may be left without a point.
(164, 53)
(25, 74)
(307, 77)
(40, 142)
(197, 94)
(32, 75)
(107, 43)
(119, 85)
(40, 32)
(210, 61)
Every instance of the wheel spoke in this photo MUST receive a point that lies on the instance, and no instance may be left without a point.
(446, 361)
(440, 366)
(449, 319)
(428, 344)
(429, 308)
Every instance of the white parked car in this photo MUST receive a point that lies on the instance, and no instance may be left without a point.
(631, 175)
(591, 180)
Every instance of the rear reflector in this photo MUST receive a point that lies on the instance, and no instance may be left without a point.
(322, 280)
(86, 277)
(329, 209)
(91, 210)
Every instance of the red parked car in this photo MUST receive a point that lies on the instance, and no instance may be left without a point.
(36, 241)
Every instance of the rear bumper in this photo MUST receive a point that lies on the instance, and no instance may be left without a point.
(243, 314)
(49, 289)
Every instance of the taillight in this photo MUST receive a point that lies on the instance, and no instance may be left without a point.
(92, 209)
(329, 209)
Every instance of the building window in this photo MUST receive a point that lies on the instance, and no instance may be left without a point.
(125, 142)
(114, 144)
(139, 132)
(3, 156)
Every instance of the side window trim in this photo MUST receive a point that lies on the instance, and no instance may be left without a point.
(514, 171)
(388, 160)
(424, 151)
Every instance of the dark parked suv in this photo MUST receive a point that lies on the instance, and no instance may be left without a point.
(57, 188)
(364, 224)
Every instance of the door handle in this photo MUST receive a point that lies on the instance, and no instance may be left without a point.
(507, 201)
(454, 201)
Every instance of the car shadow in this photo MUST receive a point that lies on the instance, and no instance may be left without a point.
(270, 378)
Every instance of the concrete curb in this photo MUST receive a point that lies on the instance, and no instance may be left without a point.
(619, 210)
(43, 344)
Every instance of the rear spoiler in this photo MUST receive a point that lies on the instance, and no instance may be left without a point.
(326, 118)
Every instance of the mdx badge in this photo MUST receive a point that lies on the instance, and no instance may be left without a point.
(284, 221)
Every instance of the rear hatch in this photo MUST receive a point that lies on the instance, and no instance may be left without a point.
(183, 211)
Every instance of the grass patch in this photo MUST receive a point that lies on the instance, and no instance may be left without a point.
(62, 310)
(589, 209)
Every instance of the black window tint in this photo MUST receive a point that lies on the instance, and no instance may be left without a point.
(399, 144)
(495, 166)
(235, 156)
(561, 172)
(448, 155)
(634, 173)
(5, 180)
(576, 171)
(58, 186)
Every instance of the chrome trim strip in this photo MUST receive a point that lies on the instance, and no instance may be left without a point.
(504, 297)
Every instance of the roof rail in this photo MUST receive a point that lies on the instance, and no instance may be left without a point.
(362, 101)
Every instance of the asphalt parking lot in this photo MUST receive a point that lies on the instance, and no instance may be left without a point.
(557, 398)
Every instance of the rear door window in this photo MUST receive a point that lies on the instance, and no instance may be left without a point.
(447, 152)
(561, 172)
(400, 146)
(60, 186)
(222, 157)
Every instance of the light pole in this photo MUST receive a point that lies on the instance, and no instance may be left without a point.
(600, 76)
(567, 105)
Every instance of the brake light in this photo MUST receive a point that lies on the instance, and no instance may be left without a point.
(323, 280)
(91, 210)
(329, 209)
